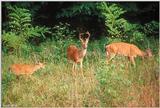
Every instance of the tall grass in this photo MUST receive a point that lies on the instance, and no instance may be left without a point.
(116, 84)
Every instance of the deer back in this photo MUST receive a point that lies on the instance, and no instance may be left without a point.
(25, 68)
(124, 49)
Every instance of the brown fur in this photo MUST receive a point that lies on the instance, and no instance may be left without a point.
(75, 54)
(126, 49)
(25, 69)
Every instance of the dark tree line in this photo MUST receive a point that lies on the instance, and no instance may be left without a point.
(34, 22)
(45, 13)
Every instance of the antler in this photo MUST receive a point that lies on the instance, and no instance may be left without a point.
(80, 36)
(88, 34)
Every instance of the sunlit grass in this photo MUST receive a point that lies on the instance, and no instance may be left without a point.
(116, 84)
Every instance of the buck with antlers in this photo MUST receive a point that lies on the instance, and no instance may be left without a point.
(125, 49)
(77, 55)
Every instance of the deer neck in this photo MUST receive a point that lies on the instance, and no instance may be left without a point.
(36, 67)
(82, 52)
(143, 54)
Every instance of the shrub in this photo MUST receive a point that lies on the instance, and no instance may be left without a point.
(151, 28)
(111, 13)
(11, 40)
(20, 29)
(19, 19)
(62, 31)
(117, 26)
(137, 37)
(111, 82)
(78, 9)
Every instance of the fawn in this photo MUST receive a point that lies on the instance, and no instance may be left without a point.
(25, 69)
(77, 55)
(125, 49)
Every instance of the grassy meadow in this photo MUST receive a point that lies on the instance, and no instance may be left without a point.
(103, 85)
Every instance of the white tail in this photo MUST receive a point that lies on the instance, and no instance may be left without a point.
(25, 69)
(75, 54)
(125, 49)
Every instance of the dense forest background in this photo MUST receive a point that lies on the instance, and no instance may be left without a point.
(35, 32)
(83, 16)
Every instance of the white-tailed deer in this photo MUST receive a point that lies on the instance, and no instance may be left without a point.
(125, 49)
(25, 69)
(75, 54)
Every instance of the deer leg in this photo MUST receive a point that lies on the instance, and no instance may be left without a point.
(110, 57)
(132, 60)
(81, 66)
(29, 77)
(107, 57)
(73, 69)
(107, 60)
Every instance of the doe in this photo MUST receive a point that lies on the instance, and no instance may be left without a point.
(125, 49)
(25, 69)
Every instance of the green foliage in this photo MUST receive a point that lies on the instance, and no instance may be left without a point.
(152, 28)
(78, 9)
(119, 27)
(37, 31)
(62, 31)
(133, 32)
(129, 28)
(20, 29)
(112, 13)
(19, 19)
(137, 37)
(136, 33)
(111, 82)
(111, 40)
(11, 40)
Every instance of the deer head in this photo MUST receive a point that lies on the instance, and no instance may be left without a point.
(41, 65)
(148, 53)
(84, 40)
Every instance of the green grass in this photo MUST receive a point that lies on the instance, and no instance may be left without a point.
(116, 84)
